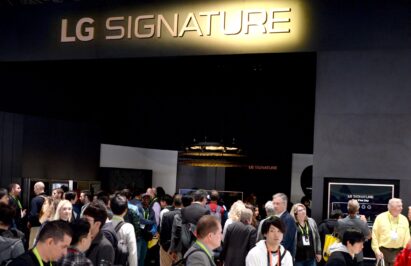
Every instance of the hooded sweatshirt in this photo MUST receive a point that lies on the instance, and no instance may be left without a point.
(10, 248)
(340, 256)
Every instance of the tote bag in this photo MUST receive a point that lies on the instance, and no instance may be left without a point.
(330, 239)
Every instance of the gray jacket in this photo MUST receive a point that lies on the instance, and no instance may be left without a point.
(316, 237)
(10, 248)
(197, 257)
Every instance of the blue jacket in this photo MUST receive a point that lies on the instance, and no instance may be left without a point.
(289, 236)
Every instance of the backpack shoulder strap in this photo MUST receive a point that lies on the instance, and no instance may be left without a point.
(220, 209)
(118, 226)
(183, 260)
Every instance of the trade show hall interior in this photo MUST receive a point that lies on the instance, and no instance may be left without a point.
(324, 95)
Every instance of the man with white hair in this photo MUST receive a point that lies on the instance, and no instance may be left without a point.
(269, 210)
(390, 232)
(239, 240)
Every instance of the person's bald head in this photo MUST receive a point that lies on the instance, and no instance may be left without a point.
(39, 188)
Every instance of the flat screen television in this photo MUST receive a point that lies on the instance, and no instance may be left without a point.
(372, 195)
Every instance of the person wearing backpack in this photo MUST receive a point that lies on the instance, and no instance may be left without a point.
(126, 250)
(215, 209)
(183, 225)
(101, 250)
(269, 251)
(80, 243)
(208, 238)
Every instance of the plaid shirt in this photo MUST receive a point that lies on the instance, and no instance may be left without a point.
(74, 258)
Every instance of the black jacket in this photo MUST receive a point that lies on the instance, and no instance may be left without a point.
(27, 259)
(17, 217)
(35, 208)
(326, 227)
(193, 213)
(100, 249)
(239, 240)
(340, 258)
(166, 228)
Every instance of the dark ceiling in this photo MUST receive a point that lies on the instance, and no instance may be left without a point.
(265, 102)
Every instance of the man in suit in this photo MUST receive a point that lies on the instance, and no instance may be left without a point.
(239, 239)
(280, 208)
(197, 209)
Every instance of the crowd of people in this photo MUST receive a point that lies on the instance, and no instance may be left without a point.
(153, 228)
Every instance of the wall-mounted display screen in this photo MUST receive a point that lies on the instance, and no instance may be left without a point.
(372, 195)
(227, 197)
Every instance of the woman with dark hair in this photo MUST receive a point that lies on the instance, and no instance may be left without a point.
(80, 243)
(4, 196)
(352, 244)
(254, 221)
(269, 251)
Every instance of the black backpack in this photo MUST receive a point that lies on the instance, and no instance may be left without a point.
(187, 235)
(121, 251)
(183, 261)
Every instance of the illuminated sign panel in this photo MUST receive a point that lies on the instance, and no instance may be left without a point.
(247, 22)
(218, 27)
(116, 29)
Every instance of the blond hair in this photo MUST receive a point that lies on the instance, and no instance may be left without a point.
(61, 204)
(235, 210)
(294, 211)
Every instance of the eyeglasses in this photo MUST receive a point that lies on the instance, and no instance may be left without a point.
(301, 210)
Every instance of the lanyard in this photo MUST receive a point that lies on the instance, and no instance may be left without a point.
(204, 248)
(389, 219)
(18, 202)
(270, 256)
(302, 229)
(36, 253)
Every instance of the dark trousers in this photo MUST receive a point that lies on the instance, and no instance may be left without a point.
(389, 255)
